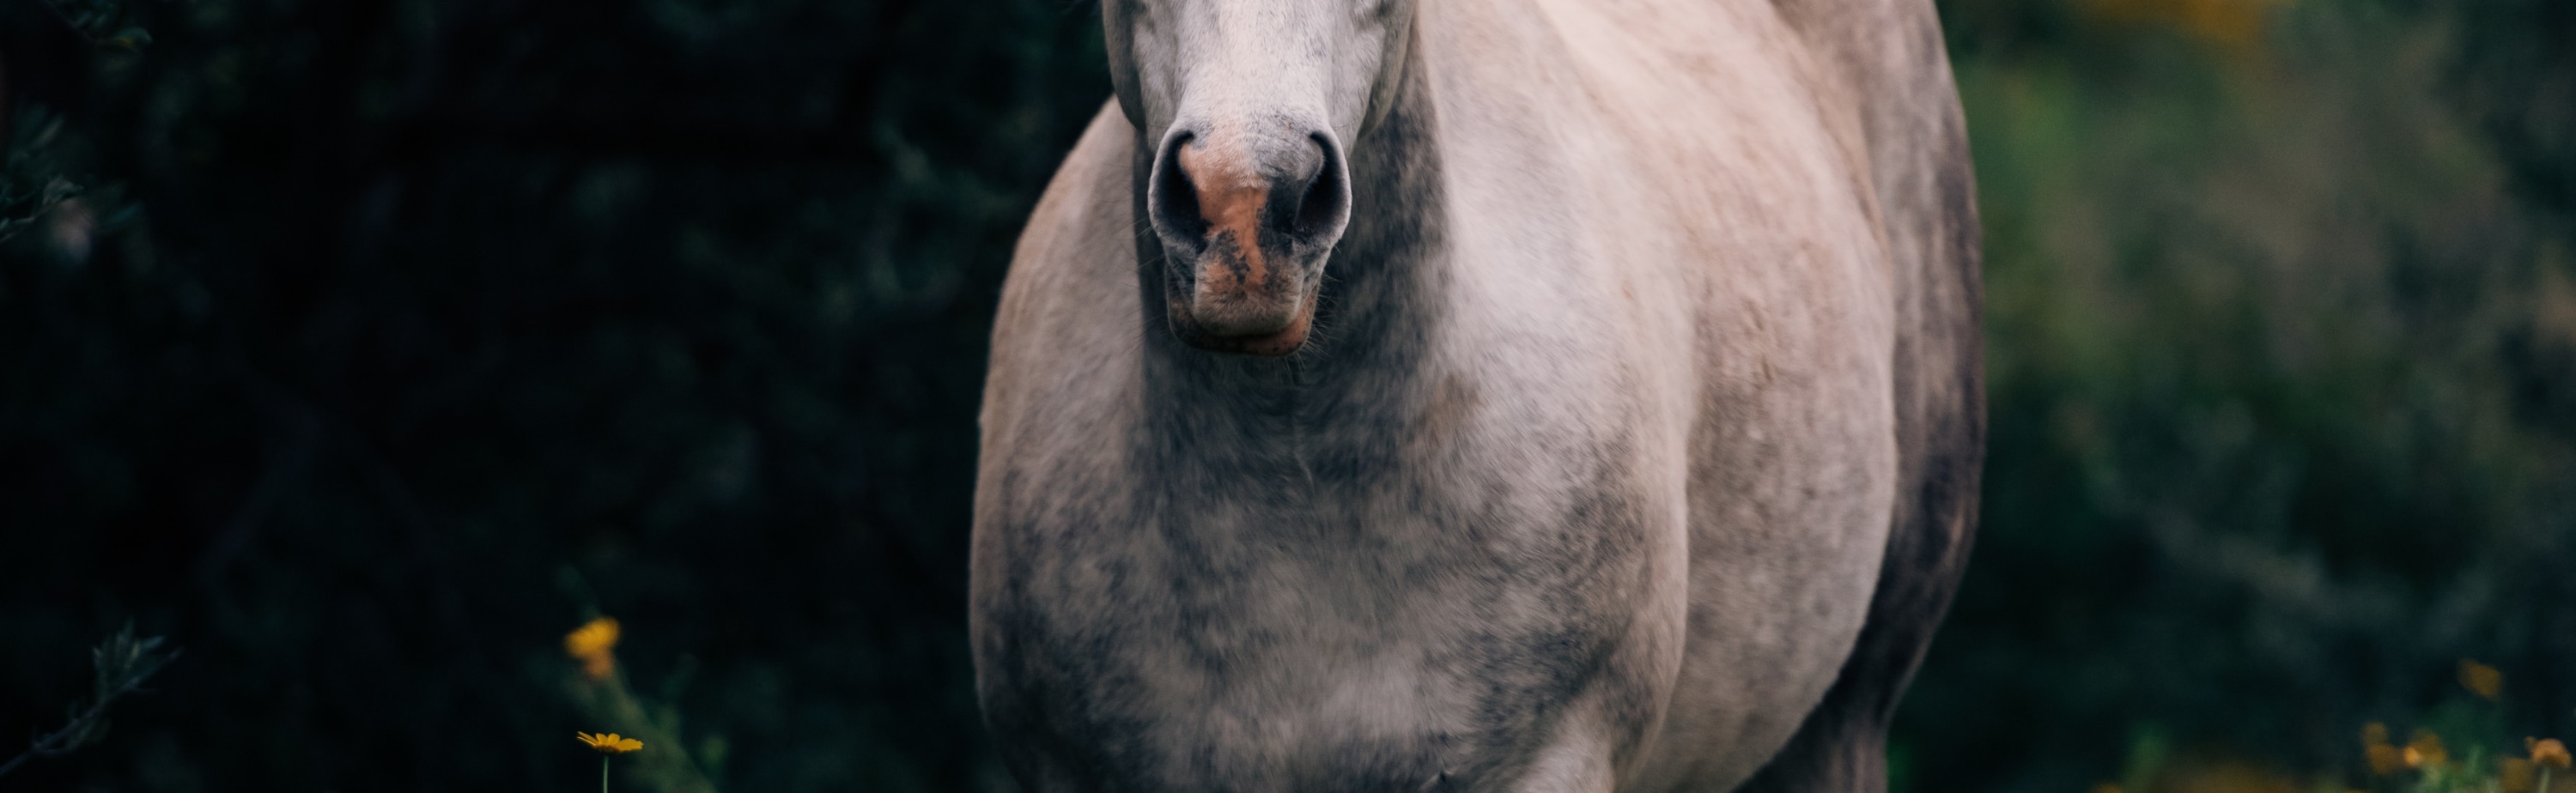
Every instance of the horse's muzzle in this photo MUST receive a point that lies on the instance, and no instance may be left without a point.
(1246, 220)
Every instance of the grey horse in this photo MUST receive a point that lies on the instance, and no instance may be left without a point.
(1483, 395)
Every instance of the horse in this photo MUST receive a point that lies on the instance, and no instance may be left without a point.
(1483, 395)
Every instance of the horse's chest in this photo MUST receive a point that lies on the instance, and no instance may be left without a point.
(1423, 603)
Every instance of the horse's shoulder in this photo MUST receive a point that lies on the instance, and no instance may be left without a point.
(1074, 258)
(1079, 220)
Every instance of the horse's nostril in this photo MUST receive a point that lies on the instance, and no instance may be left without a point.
(1262, 190)
(1324, 204)
(1174, 201)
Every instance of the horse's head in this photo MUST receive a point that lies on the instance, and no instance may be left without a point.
(1247, 106)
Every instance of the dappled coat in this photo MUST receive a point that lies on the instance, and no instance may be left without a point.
(1510, 395)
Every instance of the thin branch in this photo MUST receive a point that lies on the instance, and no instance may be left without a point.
(122, 664)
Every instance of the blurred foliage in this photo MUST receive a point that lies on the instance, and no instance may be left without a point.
(395, 338)
(2462, 746)
(118, 667)
(31, 182)
(103, 22)
(2282, 345)
(432, 303)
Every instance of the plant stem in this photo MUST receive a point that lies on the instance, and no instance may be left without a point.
(58, 742)
(603, 774)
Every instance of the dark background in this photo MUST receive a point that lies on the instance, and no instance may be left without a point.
(392, 339)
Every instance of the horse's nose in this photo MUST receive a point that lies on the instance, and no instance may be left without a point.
(1246, 221)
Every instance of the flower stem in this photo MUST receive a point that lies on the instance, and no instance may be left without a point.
(603, 774)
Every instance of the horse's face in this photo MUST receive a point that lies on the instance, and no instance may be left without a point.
(1246, 106)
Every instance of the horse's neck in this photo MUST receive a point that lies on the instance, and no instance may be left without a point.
(1364, 371)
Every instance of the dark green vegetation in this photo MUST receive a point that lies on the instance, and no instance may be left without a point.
(2282, 344)
(388, 340)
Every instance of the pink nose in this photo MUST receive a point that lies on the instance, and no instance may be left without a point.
(1240, 294)
(1246, 223)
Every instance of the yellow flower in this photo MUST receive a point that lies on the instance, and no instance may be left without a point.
(2482, 679)
(2425, 750)
(2384, 759)
(609, 743)
(593, 643)
(2106, 787)
(2547, 751)
(2513, 774)
(592, 638)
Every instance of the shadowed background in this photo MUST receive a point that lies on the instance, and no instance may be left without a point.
(389, 341)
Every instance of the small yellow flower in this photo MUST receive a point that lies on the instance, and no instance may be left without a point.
(2384, 759)
(2547, 751)
(609, 743)
(2425, 750)
(594, 643)
(594, 637)
(2513, 774)
(2106, 787)
(2482, 680)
